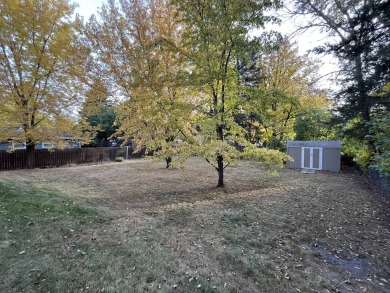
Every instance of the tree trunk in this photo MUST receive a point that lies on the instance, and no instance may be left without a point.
(220, 158)
(364, 98)
(220, 171)
(169, 162)
(30, 157)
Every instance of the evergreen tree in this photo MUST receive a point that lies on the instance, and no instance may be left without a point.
(360, 40)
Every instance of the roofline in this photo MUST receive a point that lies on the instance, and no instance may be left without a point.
(315, 143)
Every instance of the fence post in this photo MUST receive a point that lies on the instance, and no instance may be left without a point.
(127, 152)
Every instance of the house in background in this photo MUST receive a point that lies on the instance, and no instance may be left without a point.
(11, 146)
(70, 141)
(315, 155)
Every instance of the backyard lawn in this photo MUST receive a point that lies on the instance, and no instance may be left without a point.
(137, 227)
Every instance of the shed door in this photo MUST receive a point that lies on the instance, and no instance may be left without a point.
(311, 158)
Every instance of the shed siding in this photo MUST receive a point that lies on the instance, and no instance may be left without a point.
(296, 154)
(331, 160)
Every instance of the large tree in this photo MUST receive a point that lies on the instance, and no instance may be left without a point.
(360, 39)
(287, 85)
(39, 59)
(133, 40)
(216, 35)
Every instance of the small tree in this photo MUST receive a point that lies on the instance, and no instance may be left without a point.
(102, 124)
(216, 35)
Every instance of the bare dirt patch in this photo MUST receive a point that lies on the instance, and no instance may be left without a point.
(173, 230)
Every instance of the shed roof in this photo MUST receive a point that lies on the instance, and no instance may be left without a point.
(333, 144)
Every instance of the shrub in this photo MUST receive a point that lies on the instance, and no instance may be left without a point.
(119, 159)
(380, 131)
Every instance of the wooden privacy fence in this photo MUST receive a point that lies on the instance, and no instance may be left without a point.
(53, 158)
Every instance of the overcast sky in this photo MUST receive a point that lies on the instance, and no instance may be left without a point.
(88, 7)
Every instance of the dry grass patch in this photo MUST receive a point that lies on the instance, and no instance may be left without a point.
(137, 227)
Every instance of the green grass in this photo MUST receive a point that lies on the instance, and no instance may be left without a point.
(39, 240)
(136, 227)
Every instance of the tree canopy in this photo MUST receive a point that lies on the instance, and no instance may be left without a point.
(176, 74)
(287, 85)
(145, 72)
(216, 36)
(40, 60)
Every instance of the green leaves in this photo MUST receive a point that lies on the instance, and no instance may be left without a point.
(380, 130)
(216, 35)
(211, 150)
(282, 85)
(137, 48)
(270, 159)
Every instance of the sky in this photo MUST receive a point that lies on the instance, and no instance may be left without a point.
(305, 42)
(88, 7)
